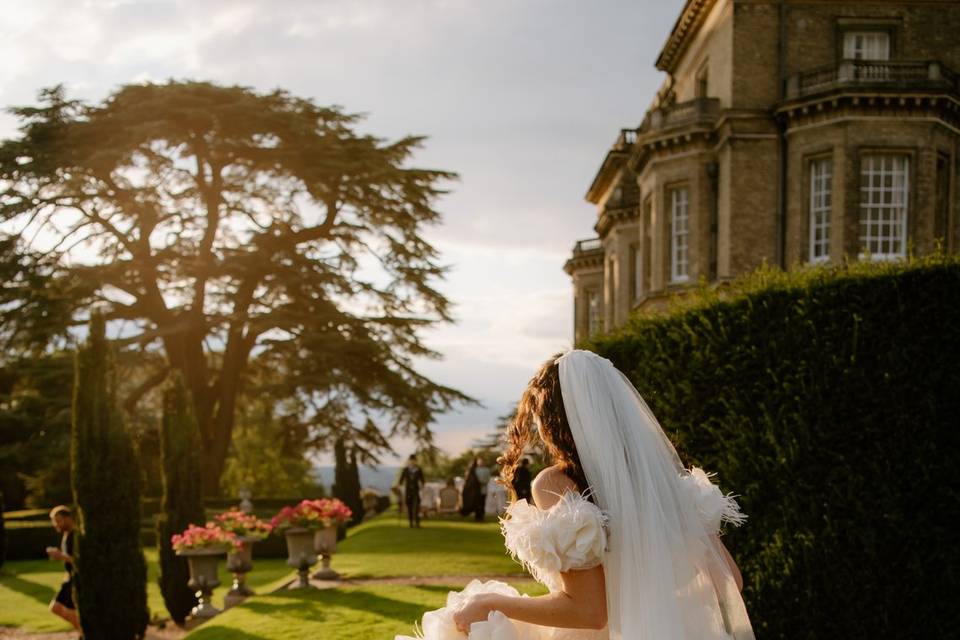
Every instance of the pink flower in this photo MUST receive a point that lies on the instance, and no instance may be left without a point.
(313, 514)
(206, 537)
(243, 525)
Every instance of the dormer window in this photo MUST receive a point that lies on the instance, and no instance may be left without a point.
(866, 45)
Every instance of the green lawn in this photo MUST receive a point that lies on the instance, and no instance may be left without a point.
(373, 612)
(381, 548)
(26, 588)
(386, 547)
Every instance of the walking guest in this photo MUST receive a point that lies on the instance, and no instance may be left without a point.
(412, 480)
(483, 478)
(521, 481)
(62, 605)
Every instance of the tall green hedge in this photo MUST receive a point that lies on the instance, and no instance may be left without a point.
(182, 502)
(3, 534)
(830, 399)
(111, 585)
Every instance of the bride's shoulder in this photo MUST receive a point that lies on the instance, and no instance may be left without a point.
(549, 487)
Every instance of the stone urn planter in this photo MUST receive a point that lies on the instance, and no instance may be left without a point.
(240, 563)
(300, 554)
(203, 578)
(325, 544)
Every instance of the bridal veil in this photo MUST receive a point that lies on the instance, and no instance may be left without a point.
(665, 574)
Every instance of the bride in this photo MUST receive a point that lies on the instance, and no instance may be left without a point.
(625, 538)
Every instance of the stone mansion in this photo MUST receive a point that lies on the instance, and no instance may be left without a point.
(785, 132)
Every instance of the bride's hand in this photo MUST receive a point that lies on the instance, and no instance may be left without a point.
(475, 609)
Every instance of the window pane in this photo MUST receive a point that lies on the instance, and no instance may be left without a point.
(821, 185)
(866, 45)
(884, 194)
(679, 234)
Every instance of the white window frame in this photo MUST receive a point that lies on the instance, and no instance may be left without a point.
(679, 234)
(866, 45)
(820, 208)
(637, 267)
(613, 284)
(884, 205)
(593, 311)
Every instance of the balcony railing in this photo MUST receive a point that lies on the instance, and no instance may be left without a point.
(873, 74)
(682, 114)
(587, 246)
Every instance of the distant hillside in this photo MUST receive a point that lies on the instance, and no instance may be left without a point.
(379, 478)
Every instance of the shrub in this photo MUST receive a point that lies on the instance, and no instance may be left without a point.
(346, 479)
(3, 534)
(182, 502)
(111, 584)
(829, 399)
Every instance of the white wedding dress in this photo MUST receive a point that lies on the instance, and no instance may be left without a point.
(569, 536)
(650, 522)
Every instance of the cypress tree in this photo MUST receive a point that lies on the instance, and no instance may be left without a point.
(111, 581)
(182, 503)
(346, 479)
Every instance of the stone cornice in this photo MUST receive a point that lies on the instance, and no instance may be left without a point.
(799, 114)
(613, 216)
(686, 27)
(593, 259)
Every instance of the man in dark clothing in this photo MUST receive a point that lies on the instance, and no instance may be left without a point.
(62, 605)
(412, 480)
(521, 481)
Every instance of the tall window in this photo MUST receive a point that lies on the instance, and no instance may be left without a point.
(941, 219)
(636, 271)
(866, 45)
(884, 195)
(821, 188)
(679, 234)
(613, 283)
(647, 252)
(593, 311)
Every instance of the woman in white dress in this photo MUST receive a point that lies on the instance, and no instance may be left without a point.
(625, 538)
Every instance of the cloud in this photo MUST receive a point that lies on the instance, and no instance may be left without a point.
(521, 98)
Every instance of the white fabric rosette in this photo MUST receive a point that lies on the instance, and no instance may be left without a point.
(571, 535)
(713, 505)
(439, 624)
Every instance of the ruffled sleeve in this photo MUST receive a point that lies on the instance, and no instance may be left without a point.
(714, 506)
(571, 535)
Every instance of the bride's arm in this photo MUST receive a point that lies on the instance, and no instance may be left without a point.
(582, 604)
(731, 564)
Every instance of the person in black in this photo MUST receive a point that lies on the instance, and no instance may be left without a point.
(412, 480)
(521, 481)
(62, 605)
(470, 496)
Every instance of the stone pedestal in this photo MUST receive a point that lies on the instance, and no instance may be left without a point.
(300, 554)
(325, 544)
(240, 564)
(203, 578)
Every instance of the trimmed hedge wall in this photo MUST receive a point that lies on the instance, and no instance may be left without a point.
(830, 399)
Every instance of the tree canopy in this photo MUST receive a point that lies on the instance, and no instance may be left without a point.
(214, 224)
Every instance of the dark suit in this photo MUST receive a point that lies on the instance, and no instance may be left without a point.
(412, 479)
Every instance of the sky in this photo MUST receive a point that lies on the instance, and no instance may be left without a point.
(521, 98)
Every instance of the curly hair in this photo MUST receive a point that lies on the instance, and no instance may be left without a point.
(541, 405)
